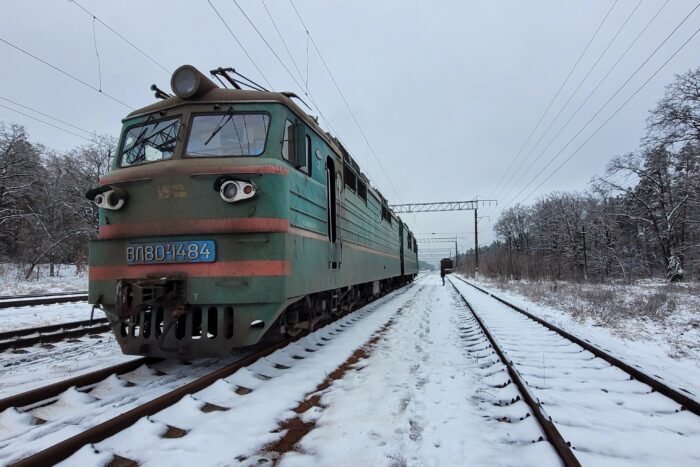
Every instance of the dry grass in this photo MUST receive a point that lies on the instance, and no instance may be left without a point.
(606, 304)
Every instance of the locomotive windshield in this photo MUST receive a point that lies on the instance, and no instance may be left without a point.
(229, 134)
(150, 142)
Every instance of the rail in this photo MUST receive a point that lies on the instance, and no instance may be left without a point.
(27, 337)
(686, 402)
(561, 446)
(49, 299)
(81, 382)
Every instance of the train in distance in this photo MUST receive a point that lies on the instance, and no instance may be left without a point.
(228, 215)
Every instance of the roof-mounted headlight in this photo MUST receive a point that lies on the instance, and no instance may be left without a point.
(188, 82)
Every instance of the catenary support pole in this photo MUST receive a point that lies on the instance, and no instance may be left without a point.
(585, 257)
(476, 243)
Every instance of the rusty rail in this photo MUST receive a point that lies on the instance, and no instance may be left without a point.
(104, 430)
(50, 391)
(686, 402)
(31, 300)
(64, 449)
(52, 333)
(560, 445)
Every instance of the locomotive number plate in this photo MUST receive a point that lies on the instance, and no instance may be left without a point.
(195, 251)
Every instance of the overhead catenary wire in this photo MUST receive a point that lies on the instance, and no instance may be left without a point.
(279, 34)
(603, 107)
(304, 88)
(235, 38)
(612, 116)
(306, 92)
(566, 104)
(281, 62)
(92, 133)
(97, 53)
(556, 94)
(65, 73)
(46, 123)
(345, 101)
(120, 36)
(591, 93)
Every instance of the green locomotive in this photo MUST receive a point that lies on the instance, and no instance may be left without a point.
(229, 213)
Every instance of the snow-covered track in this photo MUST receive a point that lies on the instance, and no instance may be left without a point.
(31, 300)
(686, 402)
(605, 413)
(26, 337)
(553, 435)
(97, 433)
(101, 431)
(45, 394)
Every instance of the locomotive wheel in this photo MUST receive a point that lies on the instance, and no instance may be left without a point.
(290, 323)
(320, 305)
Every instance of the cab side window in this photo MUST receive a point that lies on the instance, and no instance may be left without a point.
(296, 146)
(288, 145)
(305, 163)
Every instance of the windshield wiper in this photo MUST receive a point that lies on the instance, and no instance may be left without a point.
(138, 139)
(224, 121)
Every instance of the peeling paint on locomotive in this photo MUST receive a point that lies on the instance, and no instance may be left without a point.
(183, 268)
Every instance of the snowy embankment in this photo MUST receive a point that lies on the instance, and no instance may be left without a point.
(66, 278)
(39, 365)
(393, 383)
(609, 419)
(652, 325)
(43, 315)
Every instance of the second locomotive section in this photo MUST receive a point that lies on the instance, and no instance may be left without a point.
(229, 214)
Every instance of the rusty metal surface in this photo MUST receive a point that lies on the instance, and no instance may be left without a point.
(53, 333)
(20, 301)
(553, 435)
(686, 402)
(66, 448)
(49, 328)
(53, 390)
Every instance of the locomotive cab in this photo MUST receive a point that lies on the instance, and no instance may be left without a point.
(214, 197)
(191, 255)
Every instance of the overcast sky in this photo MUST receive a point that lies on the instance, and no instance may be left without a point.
(446, 92)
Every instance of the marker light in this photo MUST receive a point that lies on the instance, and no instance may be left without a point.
(236, 190)
(113, 199)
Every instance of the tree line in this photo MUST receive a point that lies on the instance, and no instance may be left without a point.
(641, 218)
(44, 216)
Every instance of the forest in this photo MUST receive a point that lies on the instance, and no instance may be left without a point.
(44, 216)
(639, 219)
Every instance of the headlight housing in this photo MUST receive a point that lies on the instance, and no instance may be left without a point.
(188, 82)
(113, 199)
(236, 190)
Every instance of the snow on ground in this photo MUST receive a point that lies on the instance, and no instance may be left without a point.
(41, 315)
(650, 344)
(609, 419)
(66, 279)
(419, 399)
(75, 411)
(40, 365)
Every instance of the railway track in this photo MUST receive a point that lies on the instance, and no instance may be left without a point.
(49, 299)
(27, 337)
(593, 407)
(107, 426)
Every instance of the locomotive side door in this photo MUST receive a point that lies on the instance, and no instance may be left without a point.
(333, 186)
(401, 243)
